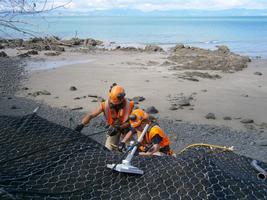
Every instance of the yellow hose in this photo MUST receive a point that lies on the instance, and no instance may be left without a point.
(208, 145)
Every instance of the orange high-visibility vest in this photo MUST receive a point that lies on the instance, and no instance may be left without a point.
(123, 114)
(154, 130)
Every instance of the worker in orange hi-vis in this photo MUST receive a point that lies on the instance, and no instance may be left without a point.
(155, 141)
(117, 110)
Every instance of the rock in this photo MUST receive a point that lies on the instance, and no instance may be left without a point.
(191, 108)
(13, 107)
(151, 110)
(9, 97)
(173, 107)
(204, 90)
(210, 116)
(223, 49)
(25, 88)
(261, 142)
(92, 42)
(35, 40)
(184, 102)
(247, 121)
(76, 98)
(93, 96)
(53, 53)
(73, 88)
(32, 52)
(24, 55)
(3, 54)
(138, 99)
(77, 108)
(153, 48)
(258, 73)
(41, 92)
(57, 48)
(227, 118)
(56, 97)
(94, 100)
(178, 47)
(244, 95)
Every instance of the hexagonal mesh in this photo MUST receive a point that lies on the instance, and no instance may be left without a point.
(42, 160)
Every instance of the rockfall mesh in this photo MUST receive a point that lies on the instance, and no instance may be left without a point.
(42, 160)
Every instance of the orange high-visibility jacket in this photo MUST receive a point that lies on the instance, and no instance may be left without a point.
(111, 115)
(155, 130)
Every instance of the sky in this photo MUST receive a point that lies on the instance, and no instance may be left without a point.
(164, 5)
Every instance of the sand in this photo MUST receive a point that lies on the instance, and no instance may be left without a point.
(239, 95)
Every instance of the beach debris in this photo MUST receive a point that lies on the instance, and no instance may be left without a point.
(3, 54)
(73, 88)
(244, 95)
(77, 108)
(77, 98)
(151, 110)
(258, 73)
(247, 121)
(153, 48)
(94, 100)
(210, 116)
(53, 53)
(227, 118)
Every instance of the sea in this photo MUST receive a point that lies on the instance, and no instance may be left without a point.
(243, 35)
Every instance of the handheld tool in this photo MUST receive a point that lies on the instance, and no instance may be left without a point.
(126, 166)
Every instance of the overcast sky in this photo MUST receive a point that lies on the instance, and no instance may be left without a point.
(152, 5)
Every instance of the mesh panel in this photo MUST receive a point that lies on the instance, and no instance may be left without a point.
(42, 160)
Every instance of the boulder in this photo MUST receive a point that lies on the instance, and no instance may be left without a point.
(178, 47)
(210, 116)
(261, 142)
(151, 110)
(173, 107)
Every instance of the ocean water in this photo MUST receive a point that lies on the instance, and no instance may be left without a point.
(244, 35)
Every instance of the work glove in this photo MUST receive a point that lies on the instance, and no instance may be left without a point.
(112, 131)
(121, 146)
(79, 128)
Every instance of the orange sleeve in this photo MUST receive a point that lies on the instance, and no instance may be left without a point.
(103, 104)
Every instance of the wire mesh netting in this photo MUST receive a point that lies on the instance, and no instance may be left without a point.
(42, 160)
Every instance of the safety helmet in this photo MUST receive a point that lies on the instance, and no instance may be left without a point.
(116, 94)
(136, 117)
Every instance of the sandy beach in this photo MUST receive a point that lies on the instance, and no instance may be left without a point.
(239, 95)
(201, 96)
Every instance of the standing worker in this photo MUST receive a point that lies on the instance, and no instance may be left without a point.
(116, 111)
(155, 140)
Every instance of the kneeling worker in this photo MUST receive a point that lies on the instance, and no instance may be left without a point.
(116, 111)
(155, 140)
